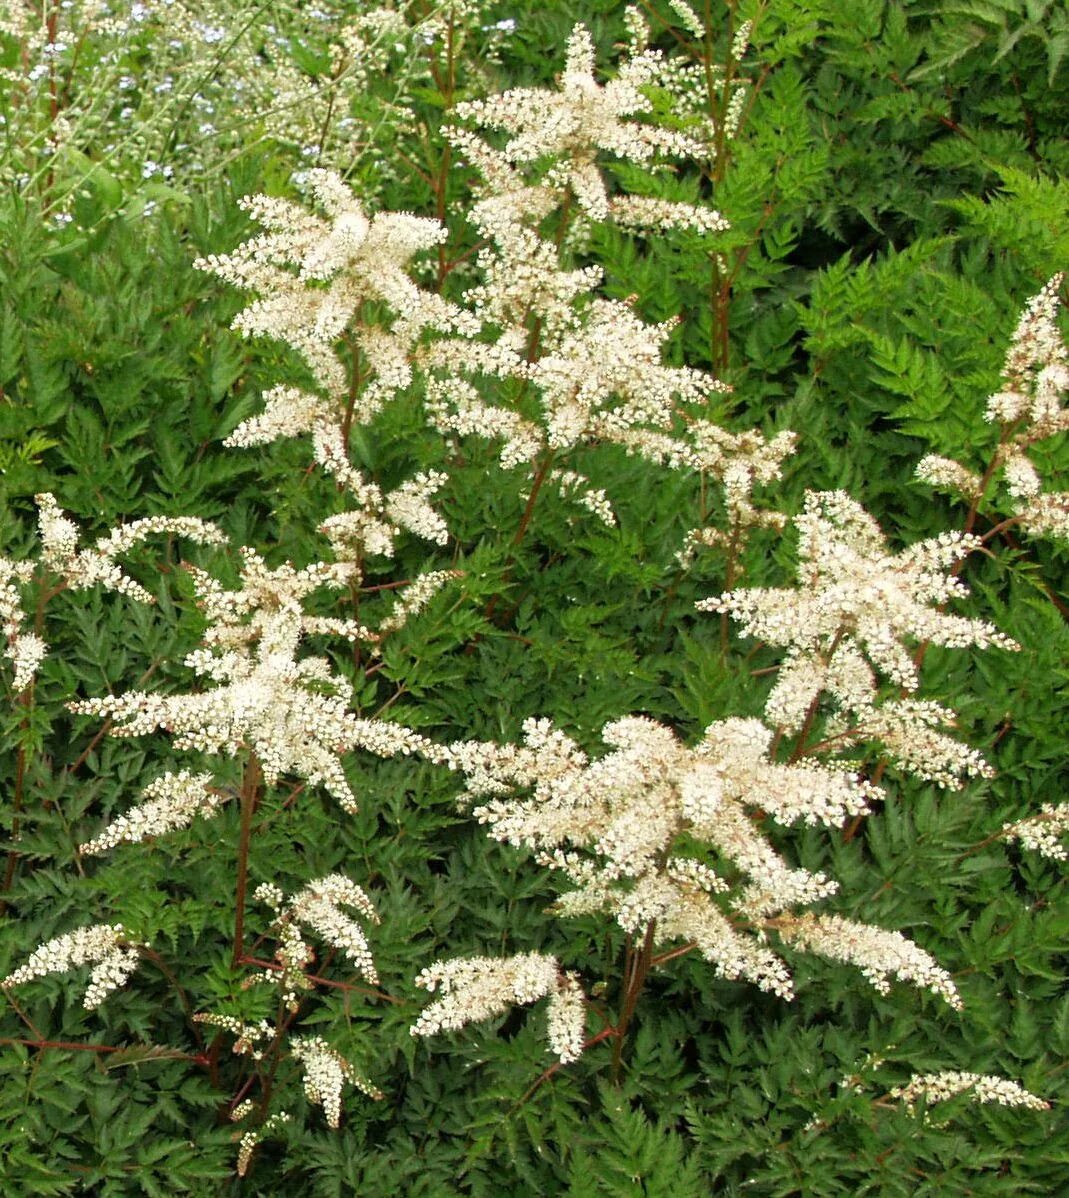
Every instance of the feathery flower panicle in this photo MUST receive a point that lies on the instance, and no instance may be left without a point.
(879, 954)
(1042, 832)
(318, 906)
(505, 199)
(1035, 382)
(316, 274)
(1037, 343)
(373, 528)
(850, 615)
(84, 568)
(741, 41)
(577, 486)
(25, 650)
(292, 955)
(949, 475)
(651, 212)
(522, 281)
(596, 366)
(107, 946)
(670, 840)
(454, 405)
(291, 713)
(638, 29)
(173, 801)
(246, 1035)
(256, 1135)
(910, 732)
(1031, 408)
(985, 1088)
(607, 376)
(325, 1072)
(287, 412)
(581, 118)
(477, 988)
(740, 462)
(688, 18)
(415, 597)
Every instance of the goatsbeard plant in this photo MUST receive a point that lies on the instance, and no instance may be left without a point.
(672, 839)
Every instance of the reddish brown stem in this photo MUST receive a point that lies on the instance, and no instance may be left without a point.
(68, 1045)
(370, 991)
(250, 792)
(541, 474)
(637, 966)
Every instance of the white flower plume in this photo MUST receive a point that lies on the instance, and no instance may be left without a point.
(325, 1072)
(173, 801)
(477, 988)
(315, 274)
(291, 712)
(671, 840)
(579, 119)
(113, 954)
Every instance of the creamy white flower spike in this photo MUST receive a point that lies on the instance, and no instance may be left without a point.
(854, 592)
(477, 988)
(1043, 831)
(84, 568)
(113, 955)
(580, 119)
(673, 842)
(256, 1135)
(315, 275)
(851, 618)
(880, 954)
(292, 713)
(319, 906)
(325, 1072)
(981, 1087)
(173, 801)
(1030, 407)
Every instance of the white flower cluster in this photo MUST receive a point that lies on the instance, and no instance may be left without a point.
(938, 1087)
(910, 733)
(597, 368)
(477, 988)
(670, 840)
(373, 527)
(649, 212)
(317, 275)
(114, 956)
(173, 802)
(25, 650)
(318, 906)
(582, 117)
(325, 1072)
(248, 1142)
(380, 517)
(879, 954)
(849, 617)
(415, 597)
(292, 713)
(246, 1035)
(1030, 408)
(1042, 832)
(84, 568)
(79, 569)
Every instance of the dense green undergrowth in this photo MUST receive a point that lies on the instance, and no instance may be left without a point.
(896, 194)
